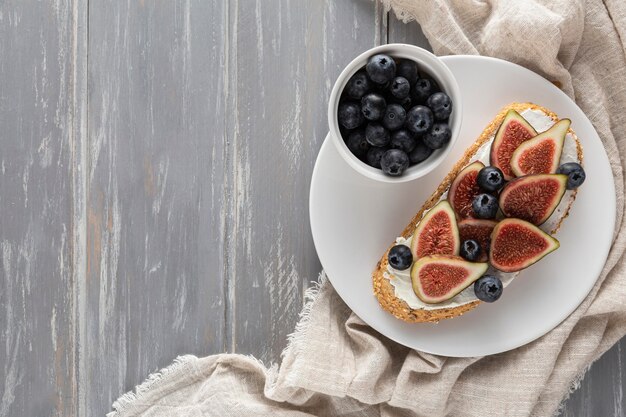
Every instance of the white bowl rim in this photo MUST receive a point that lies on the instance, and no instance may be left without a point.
(432, 65)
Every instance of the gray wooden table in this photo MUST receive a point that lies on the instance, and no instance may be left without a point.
(155, 166)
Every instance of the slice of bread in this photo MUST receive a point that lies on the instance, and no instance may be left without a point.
(384, 290)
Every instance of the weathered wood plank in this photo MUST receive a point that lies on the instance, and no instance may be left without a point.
(406, 33)
(602, 390)
(36, 288)
(118, 238)
(156, 174)
(283, 59)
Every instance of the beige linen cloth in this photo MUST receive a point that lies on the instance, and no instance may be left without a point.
(335, 365)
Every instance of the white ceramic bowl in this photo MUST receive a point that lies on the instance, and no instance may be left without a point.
(428, 63)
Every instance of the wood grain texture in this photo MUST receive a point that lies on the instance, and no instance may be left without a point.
(155, 190)
(154, 177)
(37, 361)
(283, 59)
(406, 33)
(601, 392)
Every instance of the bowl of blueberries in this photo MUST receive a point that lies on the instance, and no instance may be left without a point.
(395, 112)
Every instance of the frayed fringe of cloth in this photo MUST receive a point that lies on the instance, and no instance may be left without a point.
(154, 380)
(295, 339)
(575, 384)
(182, 364)
(401, 14)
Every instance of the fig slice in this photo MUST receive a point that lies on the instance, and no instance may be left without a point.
(463, 190)
(437, 233)
(480, 231)
(541, 154)
(512, 132)
(438, 278)
(516, 244)
(534, 197)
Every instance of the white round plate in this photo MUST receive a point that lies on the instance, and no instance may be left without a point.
(354, 219)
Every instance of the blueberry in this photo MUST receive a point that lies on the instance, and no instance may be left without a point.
(349, 115)
(382, 88)
(394, 117)
(404, 140)
(394, 162)
(488, 288)
(358, 85)
(408, 70)
(357, 144)
(400, 87)
(485, 206)
(470, 250)
(419, 119)
(441, 105)
(422, 89)
(381, 68)
(420, 153)
(490, 179)
(377, 135)
(373, 156)
(434, 84)
(404, 102)
(373, 106)
(400, 257)
(438, 136)
(575, 174)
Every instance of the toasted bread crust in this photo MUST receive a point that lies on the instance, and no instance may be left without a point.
(383, 289)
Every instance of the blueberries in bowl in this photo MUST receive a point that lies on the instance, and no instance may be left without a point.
(419, 119)
(440, 104)
(394, 162)
(358, 85)
(400, 88)
(407, 103)
(438, 136)
(393, 115)
(381, 88)
(377, 135)
(422, 89)
(350, 115)
(374, 155)
(420, 153)
(408, 70)
(403, 140)
(381, 68)
(373, 106)
(357, 144)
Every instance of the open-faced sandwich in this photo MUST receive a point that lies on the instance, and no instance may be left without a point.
(492, 216)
